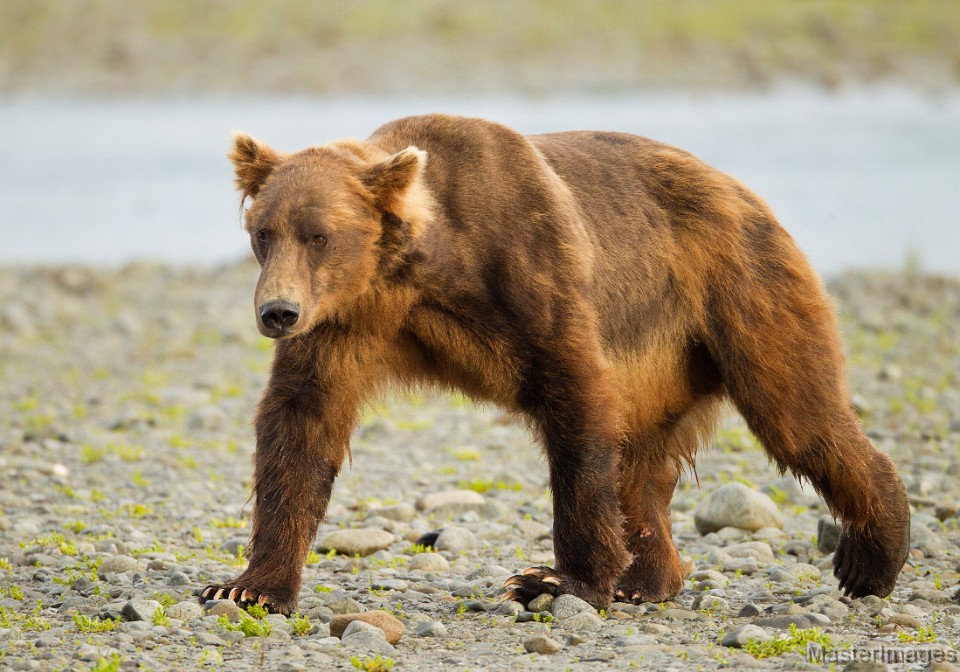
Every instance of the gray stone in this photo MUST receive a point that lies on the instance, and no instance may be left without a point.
(429, 562)
(345, 605)
(363, 541)
(508, 608)
(709, 575)
(745, 633)
(736, 505)
(927, 540)
(207, 418)
(582, 622)
(783, 622)
(678, 615)
(119, 564)
(749, 611)
(488, 571)
(541, 602)
(865, 666)
(184, 611)
(140, 610)
(711, 603)
(565, 606)
(430, 629)
(451, 501)
(366, 637)
(541, 644)
(828, 534)
(403, 513)
(758, 550)
(455, 539)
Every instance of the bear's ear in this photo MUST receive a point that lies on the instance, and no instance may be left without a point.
(253, 161)
(397, 186)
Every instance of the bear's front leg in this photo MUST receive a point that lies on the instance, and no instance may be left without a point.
(577, 411)
(303, 428)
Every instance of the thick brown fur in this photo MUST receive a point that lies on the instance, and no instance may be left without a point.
(612, 290)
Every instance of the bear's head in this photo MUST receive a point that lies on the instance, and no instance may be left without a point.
(328, 225)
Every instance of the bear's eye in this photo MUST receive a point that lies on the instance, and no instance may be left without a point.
(318, 240)
(262, 236)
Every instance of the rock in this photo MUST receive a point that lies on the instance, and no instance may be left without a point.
(345, 605)
(227, 608)
(711, 603)
(736, 505)
(366, 637)
(541, 602)
(865, 666)
(184, 611)
(749, 611)
(391, 626)
(906, 621)
(455, 539)
(207, 418)
(431, 629)
(804, 620)
(363, 541)
(119, 564)
(429, 562)
(945, 512)
(745, 633)
(679, 615)
(792, 490)
(583, 622)
(758, 550)
(508, 608)
(488, 571)
(927, 540)
(541, 644)
(451, 501)
(828, 534)
(709, 575)
(565, 606)
(403, 513)
(140, 610)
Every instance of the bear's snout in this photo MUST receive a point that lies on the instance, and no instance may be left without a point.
(276, 317)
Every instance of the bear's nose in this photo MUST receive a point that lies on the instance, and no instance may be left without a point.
(279, 315)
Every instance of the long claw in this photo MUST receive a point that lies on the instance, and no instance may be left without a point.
(511, 596)
(263, 600)
(552, 580)
(513, 581)
(208, 592)
(233, 594)
(219, 594)
(247, 596)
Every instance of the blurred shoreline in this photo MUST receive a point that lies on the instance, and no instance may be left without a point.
(189, 47)
(862, 178)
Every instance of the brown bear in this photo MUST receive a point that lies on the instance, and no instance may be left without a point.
(612, 290)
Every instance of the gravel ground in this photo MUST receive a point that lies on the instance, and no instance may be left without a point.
(125, 444)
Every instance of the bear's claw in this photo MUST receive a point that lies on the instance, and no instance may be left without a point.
(532, 582)
(635, 597)
(244, 597)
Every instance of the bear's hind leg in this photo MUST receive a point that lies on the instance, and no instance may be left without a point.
(647, 480)
(778, 352)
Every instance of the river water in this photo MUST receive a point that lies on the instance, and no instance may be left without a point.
(861, 179)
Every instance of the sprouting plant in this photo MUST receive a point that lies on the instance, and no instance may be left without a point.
(378, 664)
(160, 618)
(87, 624)
(301, 624)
